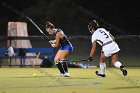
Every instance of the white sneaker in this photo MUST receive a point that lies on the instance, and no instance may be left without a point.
(66, 75)
(99, 74)
(60, 75)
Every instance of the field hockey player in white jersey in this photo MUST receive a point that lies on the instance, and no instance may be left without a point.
(109, 48)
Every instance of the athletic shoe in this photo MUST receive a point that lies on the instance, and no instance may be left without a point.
(60, 75)
(98, 74)
(124, 71)
(66, 75)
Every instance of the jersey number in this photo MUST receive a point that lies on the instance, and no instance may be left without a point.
(104, 33)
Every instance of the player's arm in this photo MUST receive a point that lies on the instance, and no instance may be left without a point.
(92, 52)
(58, 36)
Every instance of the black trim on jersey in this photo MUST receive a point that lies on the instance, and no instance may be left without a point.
(63, 41)
(99, 41)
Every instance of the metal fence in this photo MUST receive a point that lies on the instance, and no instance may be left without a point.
(129, 45)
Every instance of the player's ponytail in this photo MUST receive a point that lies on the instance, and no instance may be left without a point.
(49, 25)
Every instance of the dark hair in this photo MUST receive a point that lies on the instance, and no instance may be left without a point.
(93, 24)
(49, 25)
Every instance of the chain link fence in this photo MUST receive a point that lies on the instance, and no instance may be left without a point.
(129, 45)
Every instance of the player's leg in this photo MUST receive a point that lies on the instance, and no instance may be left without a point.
(117, 63)
(64, 63)
(58, 62)
(102, 66)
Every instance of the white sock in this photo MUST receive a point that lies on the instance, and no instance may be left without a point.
(102, 68)
(117, 64)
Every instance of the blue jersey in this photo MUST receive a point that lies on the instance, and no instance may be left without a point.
(64, 42)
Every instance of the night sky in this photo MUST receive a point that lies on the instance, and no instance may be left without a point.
(123, 14)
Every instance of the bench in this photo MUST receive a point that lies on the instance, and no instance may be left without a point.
(49, 52)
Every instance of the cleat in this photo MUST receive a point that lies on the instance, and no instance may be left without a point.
(66, 75)
(60, 75)
(97, 73)
(124, 71)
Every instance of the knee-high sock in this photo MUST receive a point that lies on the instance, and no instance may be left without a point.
(102, 68)
(117, 64)
(65, 66)
(60, 67)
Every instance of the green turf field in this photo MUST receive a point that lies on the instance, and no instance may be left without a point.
(21, 80)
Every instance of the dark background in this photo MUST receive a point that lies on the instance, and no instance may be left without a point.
(120, 13)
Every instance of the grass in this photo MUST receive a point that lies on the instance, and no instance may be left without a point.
(21, 80)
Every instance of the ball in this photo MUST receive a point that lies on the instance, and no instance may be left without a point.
(34, 75)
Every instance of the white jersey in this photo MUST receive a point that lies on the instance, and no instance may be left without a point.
(102, 37)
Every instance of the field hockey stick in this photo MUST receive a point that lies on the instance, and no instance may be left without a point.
(81, 60)
(36, 59)
(24, 16)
